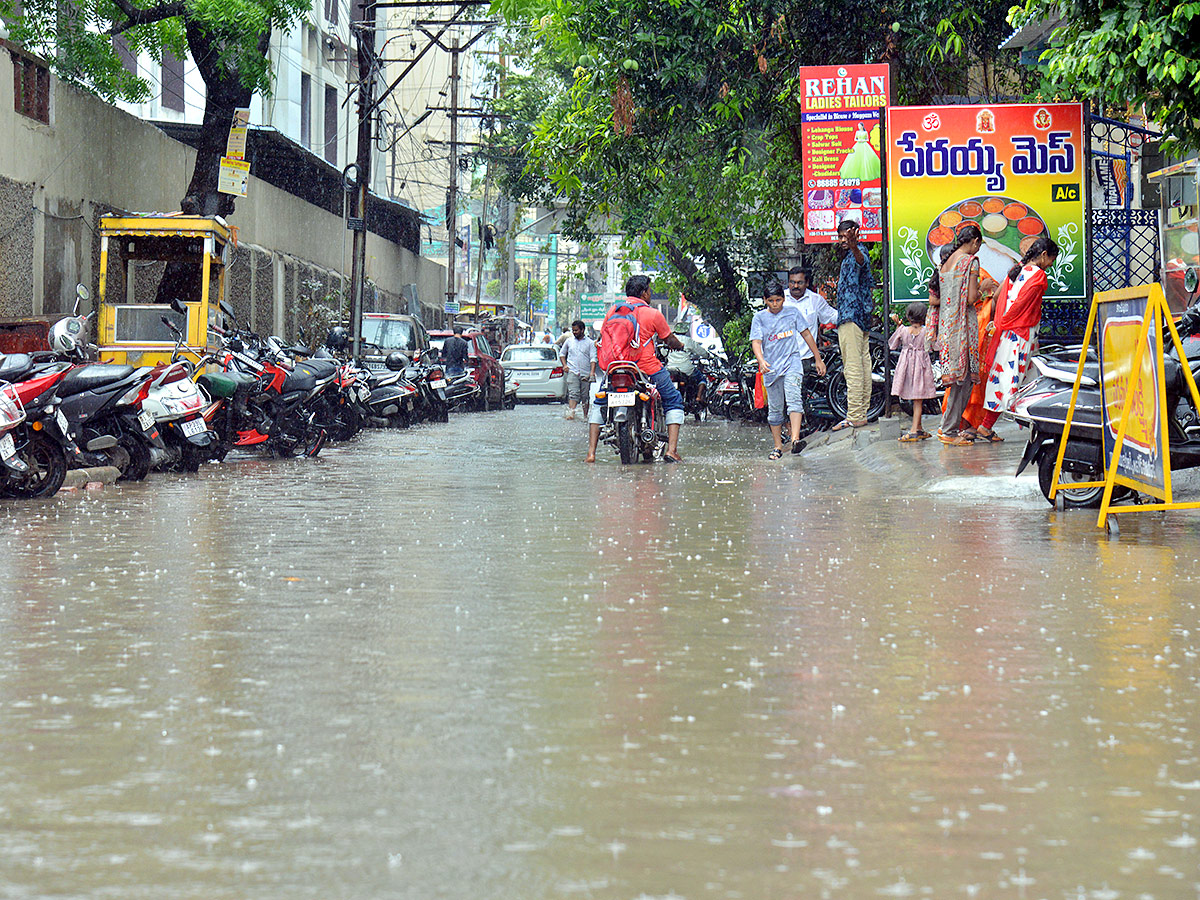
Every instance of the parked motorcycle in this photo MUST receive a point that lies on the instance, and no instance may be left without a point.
(1042, 404)
(41, 446)
(634, 422)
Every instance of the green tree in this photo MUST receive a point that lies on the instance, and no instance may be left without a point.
(227, 39)
(1140, 53)
(675, 122)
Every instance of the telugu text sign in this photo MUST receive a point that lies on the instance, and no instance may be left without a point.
(1015, 170)
(839, 128)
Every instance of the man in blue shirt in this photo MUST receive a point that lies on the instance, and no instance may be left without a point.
(856, 304)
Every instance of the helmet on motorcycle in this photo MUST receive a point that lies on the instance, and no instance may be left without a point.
(66, 335)
(396, 361)
(338, 339)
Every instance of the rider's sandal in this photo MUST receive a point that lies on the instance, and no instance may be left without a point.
(775, 454)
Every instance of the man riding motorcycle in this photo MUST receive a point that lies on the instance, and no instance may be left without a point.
(652, 324)
(681, 363)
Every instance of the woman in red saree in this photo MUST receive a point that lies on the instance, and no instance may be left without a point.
(1015, 332)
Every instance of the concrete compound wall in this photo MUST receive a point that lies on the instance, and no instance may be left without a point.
(56, 181)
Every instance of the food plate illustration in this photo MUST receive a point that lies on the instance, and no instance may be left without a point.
(1009, 227)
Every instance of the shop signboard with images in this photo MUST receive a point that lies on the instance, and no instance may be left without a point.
(839, 127)
(1015, 170)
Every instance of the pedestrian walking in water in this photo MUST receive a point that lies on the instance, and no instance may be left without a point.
(913, 378)
(773, 334)
(578, 356)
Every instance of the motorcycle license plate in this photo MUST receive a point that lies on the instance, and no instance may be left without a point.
(193, 427)
(146, 420)
(438, 383)
(7, 448)
(622, 399)
(61, 420)
(364, 393)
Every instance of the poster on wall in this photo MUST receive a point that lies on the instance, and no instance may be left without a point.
(839, 134)
(1015, 170)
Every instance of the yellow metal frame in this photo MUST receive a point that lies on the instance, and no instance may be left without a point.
(216, 235)
(1156, 311)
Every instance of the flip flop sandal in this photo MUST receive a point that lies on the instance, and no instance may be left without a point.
(990, 438)
(947, 438)
(842, 425)
(775, 454)
(911, 438)
(961, 441)
(922, 433)
(798, 446)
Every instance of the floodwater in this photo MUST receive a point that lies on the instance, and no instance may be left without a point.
(455, 662)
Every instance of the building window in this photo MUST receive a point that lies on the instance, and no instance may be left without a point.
(305, 110)
(128, 59)
(331, 11)
(331, 120)
(172, 81)
(31, 88)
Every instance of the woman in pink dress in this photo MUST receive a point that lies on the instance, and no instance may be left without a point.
(913, 378)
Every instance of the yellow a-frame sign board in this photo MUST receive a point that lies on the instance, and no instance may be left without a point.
(1134, 420)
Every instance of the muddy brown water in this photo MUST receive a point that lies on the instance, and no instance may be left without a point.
(456, 662)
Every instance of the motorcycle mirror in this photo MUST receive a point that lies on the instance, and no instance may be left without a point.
(227, 309)
(177, 306)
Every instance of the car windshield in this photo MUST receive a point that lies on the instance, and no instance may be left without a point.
(389, 334)
(529, 354)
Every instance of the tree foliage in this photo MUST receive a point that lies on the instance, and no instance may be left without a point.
(1137, 52)
(227, 39)
(676, 122)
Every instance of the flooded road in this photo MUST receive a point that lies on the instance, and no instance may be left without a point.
(455, 662)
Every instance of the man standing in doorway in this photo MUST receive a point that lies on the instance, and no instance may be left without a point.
(855, 306)
(578, 357)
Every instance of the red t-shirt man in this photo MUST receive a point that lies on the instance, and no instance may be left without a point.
(651, 324)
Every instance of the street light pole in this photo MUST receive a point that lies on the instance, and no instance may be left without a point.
(452, 201)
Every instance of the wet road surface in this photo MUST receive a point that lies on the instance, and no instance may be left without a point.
(456, 662)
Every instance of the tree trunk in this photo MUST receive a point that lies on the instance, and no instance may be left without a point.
(224, 93)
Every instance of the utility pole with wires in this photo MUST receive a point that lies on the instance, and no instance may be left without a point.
(358, 221)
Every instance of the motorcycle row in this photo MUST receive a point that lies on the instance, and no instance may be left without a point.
(59, 410)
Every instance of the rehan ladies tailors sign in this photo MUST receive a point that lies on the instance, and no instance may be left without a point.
(1015, 170)
(839, 126)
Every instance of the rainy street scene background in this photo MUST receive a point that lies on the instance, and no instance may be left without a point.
(456, 661)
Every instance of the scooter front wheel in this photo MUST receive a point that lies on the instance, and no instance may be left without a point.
(1073, 498)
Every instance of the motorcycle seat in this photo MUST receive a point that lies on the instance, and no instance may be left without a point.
(299, 380)
(15, 366)
(320, 368)
(88, 378)
(226, 384)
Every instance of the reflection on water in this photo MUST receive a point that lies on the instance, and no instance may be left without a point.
(456, 662)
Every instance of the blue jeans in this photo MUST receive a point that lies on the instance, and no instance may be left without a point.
(671, 398)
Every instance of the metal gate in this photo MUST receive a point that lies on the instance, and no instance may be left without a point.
(1123, 241)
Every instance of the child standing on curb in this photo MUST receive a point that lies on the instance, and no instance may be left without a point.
(913, 378)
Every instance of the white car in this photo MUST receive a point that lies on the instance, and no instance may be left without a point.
(537, 370)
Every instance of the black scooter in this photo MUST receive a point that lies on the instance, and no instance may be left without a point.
(1042, 404)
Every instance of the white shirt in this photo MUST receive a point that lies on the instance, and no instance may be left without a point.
(814, 310)
(579, 355)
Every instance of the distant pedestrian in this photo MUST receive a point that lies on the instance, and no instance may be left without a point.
(913, 378)
(856, 305)
(578, 357)
(773, 334)
(454, 352)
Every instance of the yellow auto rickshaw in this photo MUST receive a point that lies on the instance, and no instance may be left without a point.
(147, 263)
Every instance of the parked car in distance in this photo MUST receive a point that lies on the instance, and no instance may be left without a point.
(481, 361)
(537, 371)
(384, 333)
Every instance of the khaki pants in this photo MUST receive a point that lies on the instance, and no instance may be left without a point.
(856, 360)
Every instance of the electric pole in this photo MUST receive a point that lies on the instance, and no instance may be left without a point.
(452, 202)
(365, 35)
